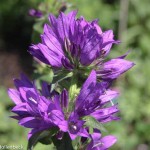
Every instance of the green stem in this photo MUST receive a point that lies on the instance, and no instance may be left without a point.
(73, 91)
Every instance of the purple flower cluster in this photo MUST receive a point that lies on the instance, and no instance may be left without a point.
(77, 46)
(72, 44)
(42, 110)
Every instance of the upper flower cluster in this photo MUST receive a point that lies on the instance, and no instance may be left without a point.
(70, 43)
(46, 110)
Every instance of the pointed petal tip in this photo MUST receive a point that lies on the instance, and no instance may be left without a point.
(115, 67)
(130, 65)
(15, 117)
(93, 72)
(109, 140)
(46, 25)
(133, 64)
(117, 42)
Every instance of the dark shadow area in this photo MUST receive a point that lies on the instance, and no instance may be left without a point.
(15, 38)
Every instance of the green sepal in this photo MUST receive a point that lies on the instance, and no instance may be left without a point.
(92, 123)
(43, 137)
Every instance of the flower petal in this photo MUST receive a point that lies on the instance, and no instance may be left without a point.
(20, 109)
(114, 68)
(64, 99)
(30, 122)
(46, 89)
(56, 116)
(66, 63)
(107, 41)
(86, 88)
(52, 57)
(104, 112)
(108, 95)
(108, 141)
(35, 51)
(15, 96)
(91, 49)
(52, 43)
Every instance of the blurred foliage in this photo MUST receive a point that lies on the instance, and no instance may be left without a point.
(134, 128)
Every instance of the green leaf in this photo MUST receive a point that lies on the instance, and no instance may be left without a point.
(42, 136)
(76, 142)
(38, 27)
(48, 76)
(45, 138)
(62, 76)
(33, 141)
(73, 90)
(92, 123)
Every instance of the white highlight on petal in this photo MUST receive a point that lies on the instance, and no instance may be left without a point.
(49, 113)
(98, 144)
(112, 103)
(74, 127)
(33, 100)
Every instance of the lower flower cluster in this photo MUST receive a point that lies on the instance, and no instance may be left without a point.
(83, 117)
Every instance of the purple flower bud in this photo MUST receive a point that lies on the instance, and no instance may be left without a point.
(35, 13)
(64, 99)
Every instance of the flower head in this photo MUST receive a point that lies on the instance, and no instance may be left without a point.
(93, 101)
(43, 110)
(76, 44)
(33, 109)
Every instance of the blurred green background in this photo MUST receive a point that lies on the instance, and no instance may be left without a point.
(130, 21)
